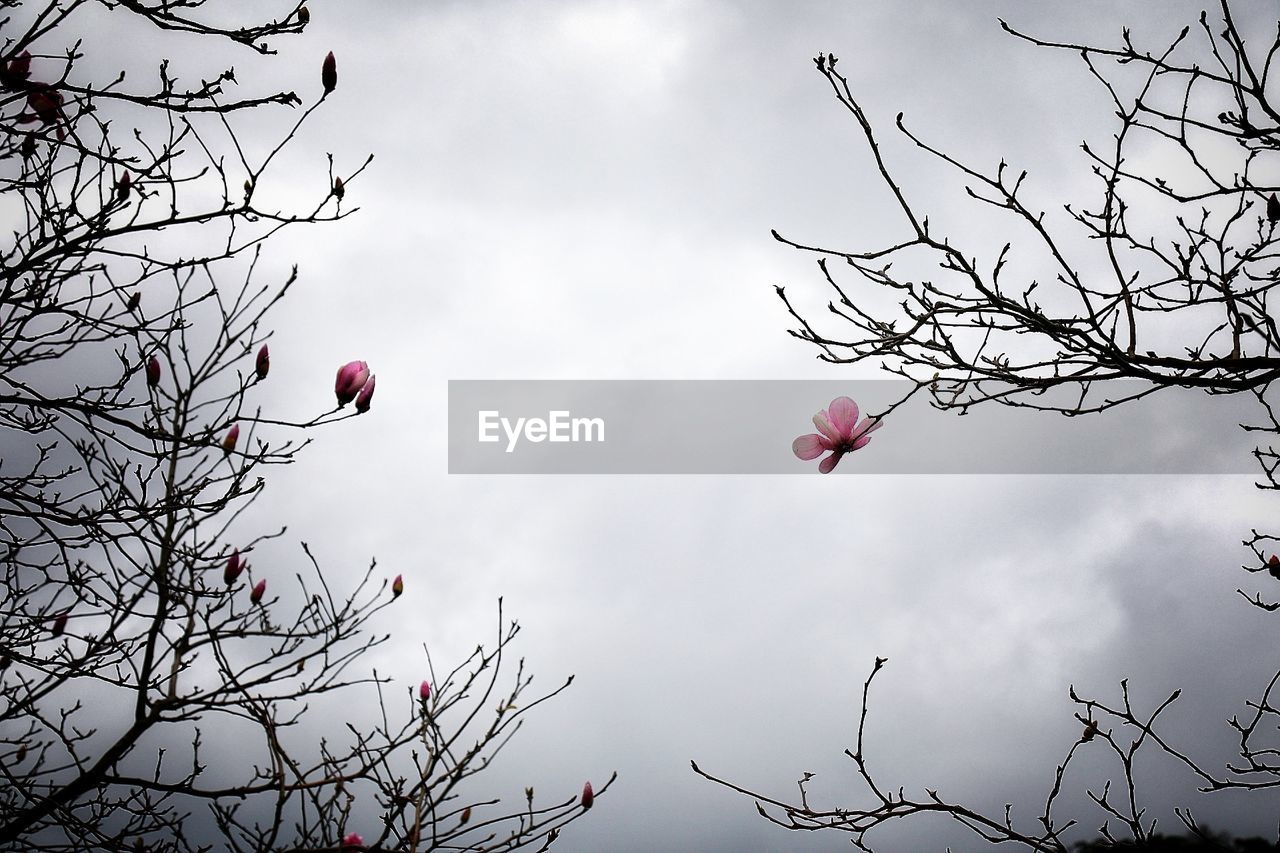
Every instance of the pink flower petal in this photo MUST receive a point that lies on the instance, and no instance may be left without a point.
(867, 427)
(861, 442)
(826, 465)
(810, 446)
(843, 415)
(824, 426)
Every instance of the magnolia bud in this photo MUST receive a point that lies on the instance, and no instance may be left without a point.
(1090, 729)
(232, 436)
(22, 754)
(1273, 209)
(304, 15)
(263, 364)
(123, 185)
(329, 73)
(134, 299)
(234, 567)
(588, 796)
(424, 691)
(397, 587)
(466, 816)
(339, 189)
(353, 841)
(1273, 567)
(351, 378)
(255, 595)
(20, 68)
(28, 149)
(153, 372)
(59, 624)
(365, 397)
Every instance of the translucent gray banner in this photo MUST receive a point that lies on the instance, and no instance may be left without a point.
(747, 427)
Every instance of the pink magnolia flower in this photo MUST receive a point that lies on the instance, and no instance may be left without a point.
(263, 364)
(17, 70)
(255, 595)
(351, 378)
(588, 796)
(46, 103)
(153, 372)
(424, 691)
(838, 431)
(234, 567)
(352, 841)
(397, 586)
(366, 395)
(232, 436)
(329, 73)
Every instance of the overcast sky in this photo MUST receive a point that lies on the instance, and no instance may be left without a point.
(585, 190)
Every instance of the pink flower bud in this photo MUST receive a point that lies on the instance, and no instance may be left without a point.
(153, 372)
(352, 841)
(329, 73)
(1274, 561)
(255, 595)
(60, 623)
(263, 364)
(234, 567)
(123, 186)
(424, 691)
(351, 378)
(397, 587)
(366, 396)
(232, 436)
(588, 796)
(339, 189)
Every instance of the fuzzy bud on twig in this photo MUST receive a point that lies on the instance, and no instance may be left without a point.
(232, 436)
(588, 796)
(153, 372)
(263, 363)
(234, 567)
(255, 595)
(397, 586)
(329, 73)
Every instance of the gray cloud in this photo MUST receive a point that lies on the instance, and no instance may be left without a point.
(584, 190)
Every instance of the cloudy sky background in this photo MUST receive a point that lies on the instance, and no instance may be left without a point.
(585, 190)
